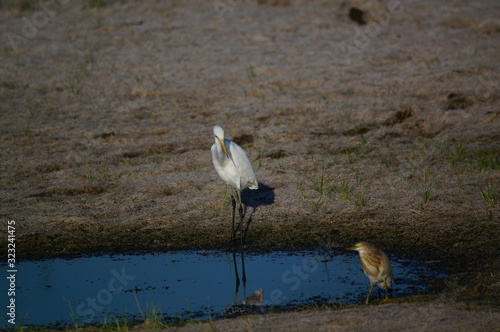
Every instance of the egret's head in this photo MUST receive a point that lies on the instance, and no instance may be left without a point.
(218, 132)
(219, 136)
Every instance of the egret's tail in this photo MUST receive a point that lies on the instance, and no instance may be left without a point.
(254, 185)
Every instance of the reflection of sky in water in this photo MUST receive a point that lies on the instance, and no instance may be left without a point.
(187, 283)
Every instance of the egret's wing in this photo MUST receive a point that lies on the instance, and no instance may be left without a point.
(242, 164)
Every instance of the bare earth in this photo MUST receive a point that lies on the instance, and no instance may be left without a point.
(388, 132)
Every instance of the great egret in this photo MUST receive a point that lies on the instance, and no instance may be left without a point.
(234, 168)
(376, 266)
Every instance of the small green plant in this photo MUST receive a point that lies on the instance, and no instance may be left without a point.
(457, 154)
(205, 103)
(486, 160)
(360, 199)
(72, 314)
(387, 159)
(31, 113)
(251, 72)
(82, 71)
(362, 140)
(319, 182)
(346, 115)
(323, 96)
(421, 144)
(390, 182)
(27, 132)
(102, 168)
(254, 93)
(219, 206)
(97, 3)
(315, 205)
(152, 316)
(112, 323)
(426, 173)
(349, 157)
(260, 157)
(345, 189)
(298, 185)
(427, 193)
(22, 5)
(227, 194)
(419, 208)
(490, 194)
(429, 63)
(89, 175)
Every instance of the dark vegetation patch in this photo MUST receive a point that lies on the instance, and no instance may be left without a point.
(105, 135)
(244, 139)
(457, 100)
(357, 130)
(399, 116)
(277, 154)
(52, 167)
(357, 15)
(72, 191)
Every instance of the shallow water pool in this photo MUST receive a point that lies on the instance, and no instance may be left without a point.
(194, 284)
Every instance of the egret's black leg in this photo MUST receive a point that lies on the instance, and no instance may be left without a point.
(241, 223)
(244, 278)
(244, 273)
(237, 282)
(249, 221)
(240, 212)
(233, 202)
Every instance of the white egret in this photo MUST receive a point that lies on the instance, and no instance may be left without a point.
(234, 168)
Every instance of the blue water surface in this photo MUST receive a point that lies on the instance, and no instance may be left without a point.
(193, 284)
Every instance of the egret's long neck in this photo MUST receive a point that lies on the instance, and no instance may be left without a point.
(221, 156)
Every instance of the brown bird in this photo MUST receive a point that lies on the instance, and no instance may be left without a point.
(376, 266)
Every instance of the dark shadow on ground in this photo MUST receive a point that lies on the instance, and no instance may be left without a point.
(260, 197)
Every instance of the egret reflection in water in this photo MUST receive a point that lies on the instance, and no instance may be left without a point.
(257, 297)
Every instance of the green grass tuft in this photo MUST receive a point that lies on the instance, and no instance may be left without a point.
(97, 3)
(490, 194)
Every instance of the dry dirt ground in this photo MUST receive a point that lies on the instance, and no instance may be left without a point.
(385, 130)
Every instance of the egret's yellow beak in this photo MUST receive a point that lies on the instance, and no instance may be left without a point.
(350, 248)
(223, 146)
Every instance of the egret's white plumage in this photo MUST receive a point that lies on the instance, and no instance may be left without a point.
(234, 168)
(231, 163)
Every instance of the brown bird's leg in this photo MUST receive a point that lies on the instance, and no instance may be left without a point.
(386, 295)
(369, 293)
